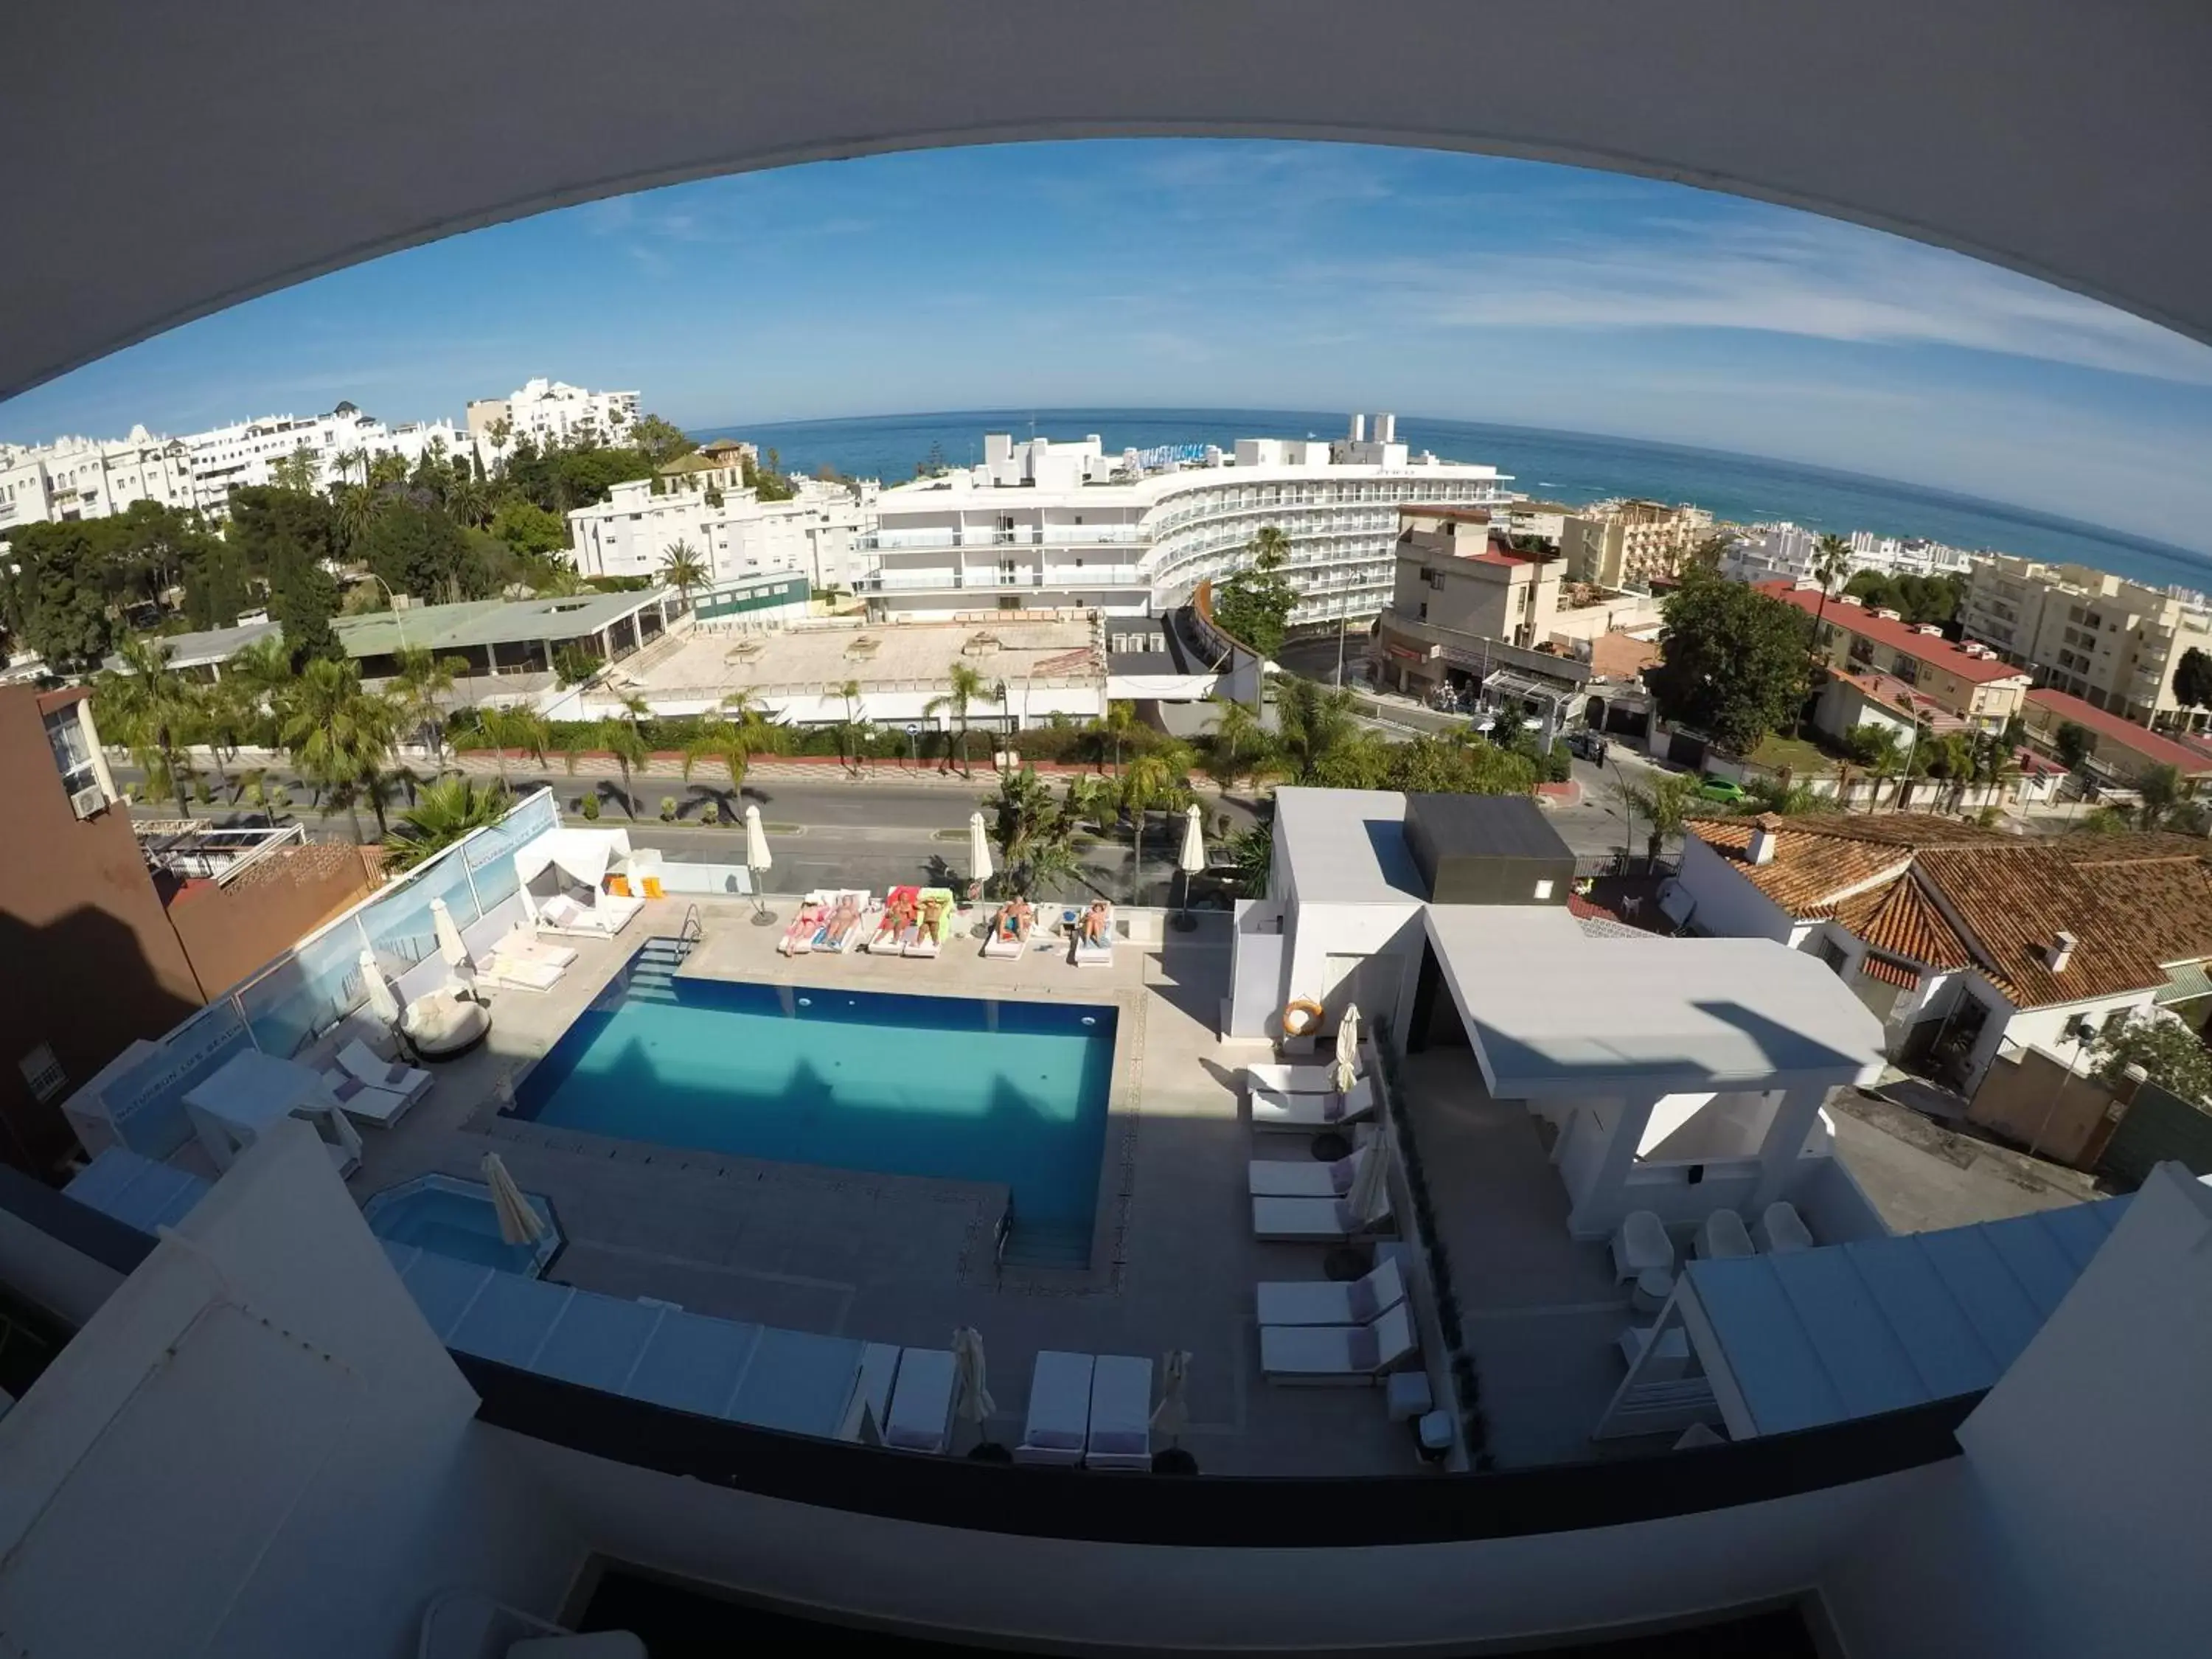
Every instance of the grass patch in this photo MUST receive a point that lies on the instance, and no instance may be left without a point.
(1800, 755)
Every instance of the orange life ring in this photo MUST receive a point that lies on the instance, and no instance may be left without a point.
(1311, 1013)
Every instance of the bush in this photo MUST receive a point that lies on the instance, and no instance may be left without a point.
(668, 809)
(589, 806)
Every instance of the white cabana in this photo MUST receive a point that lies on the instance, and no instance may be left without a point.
(1768, 1344)
(562, 872)
(249, 1091)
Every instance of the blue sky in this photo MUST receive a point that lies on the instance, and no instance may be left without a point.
(1235, 275)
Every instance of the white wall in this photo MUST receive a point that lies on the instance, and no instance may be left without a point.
(2076, 1527)
(1033, 1591)
(1728, 905)
(1319, 932)
(257, 1447)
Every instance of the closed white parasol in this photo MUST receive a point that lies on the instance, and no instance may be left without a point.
(979, 853)
(451, 948)
(1347, 1048)
(381, 1002)
(518, 1222)
(758, 860)
(1172, 1415)
(973, 1399)
(1370, 1197)
(1190, 860)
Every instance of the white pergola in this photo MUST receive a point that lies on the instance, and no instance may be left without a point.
(186, 159)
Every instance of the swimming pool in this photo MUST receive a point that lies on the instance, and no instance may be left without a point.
(456, 1218)
(952, 1087)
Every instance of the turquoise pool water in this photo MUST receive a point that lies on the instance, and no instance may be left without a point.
(456, 1218)
(951, 1087)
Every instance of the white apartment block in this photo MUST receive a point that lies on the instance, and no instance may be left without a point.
(737, 535)
(1908, 556)
(242, 456)
(2094, 636)
(90, 478)
(1047, 525)
(554, 412)
(1766, 551)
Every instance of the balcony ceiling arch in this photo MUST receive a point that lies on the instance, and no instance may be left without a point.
(171, 160)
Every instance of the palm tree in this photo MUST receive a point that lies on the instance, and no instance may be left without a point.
(522, 728)
(1270, 548)
(263, 671)
(355, 508)
(683, 569)
(1236, 732)
(468, 500)
(421, 684)
(618, 734)
(1880, 757)
(1120, 721)
(152, 709)
(340, 735)
(344, 461)
(2158, 790)
(1312, 721)
(1665, 805)
(848, 734)
(225, 719)
(963, 685)
(444, 812)
(1151, 780)
(720, 740)
(1832, 557)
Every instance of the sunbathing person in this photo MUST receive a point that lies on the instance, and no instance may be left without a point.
(932, 916)
(842, 920)
(1012, 920)
(1096, 920)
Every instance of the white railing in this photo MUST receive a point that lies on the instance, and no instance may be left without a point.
(892, 581)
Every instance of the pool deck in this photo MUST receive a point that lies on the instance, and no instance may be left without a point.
(902, 1260)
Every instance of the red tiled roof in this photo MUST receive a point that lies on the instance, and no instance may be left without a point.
(1903, 636)
(2155, 747)
(1901, 974)
(1905, 922)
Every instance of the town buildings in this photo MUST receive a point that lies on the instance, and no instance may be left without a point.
(1468, 603)
(2119, 751)
(2111, 642)
(88, 478)
(701, 501)
(1766, 552)
(1040, 524)
(551, 412)
(1631, 544)
(1967, 683)
(1968, 944)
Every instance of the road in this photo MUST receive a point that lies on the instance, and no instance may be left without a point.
(834, 834)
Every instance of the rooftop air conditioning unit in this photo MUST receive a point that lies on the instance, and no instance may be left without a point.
(88, 801)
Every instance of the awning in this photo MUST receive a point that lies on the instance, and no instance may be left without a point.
(1817, 1336)
(2184, 983)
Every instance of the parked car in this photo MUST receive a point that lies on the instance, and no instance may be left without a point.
(1720, 789)
(1587, 745)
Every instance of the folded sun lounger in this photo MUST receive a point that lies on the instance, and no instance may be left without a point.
(921, 1401)
(1271, 1110)
(1329, 1302)
(1310, 1220)
(1337, 1353)
(1059, 1410)
(1283, 1177)
(1121, 1433)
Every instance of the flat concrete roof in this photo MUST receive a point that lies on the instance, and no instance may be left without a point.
(213, 645)
(894, 653)
(1552, 1010)
(1348, 846)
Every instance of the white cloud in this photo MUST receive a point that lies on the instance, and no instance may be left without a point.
(1812, 277)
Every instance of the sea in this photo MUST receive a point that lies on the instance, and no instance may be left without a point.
(1564, 466)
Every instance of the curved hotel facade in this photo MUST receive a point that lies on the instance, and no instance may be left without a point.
(1043, 525)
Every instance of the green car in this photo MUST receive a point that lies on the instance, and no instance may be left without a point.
(1720, 789)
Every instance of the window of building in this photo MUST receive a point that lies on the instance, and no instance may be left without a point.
(1833, 954)
(1425, 610)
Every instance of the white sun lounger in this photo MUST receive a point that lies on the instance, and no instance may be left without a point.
(1059, 1410)
(1271, 1110)
(1722, 1235)
(863, 925)
(924, 943)
(381, 1107)
(1337, 1353)
(1008, 949)
(1782, 1230)
(1088, 955)
(1121, 1433)
(1310, 1220)
(603, 918)
(358, 1060)
(520, 943)
(1639, 1244)
(1331, 1302)
(521, 973)
(1284, 1177)
(922, 1402)
(1292, 1080)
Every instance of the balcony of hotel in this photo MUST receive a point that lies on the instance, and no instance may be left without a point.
(1085, 578)
(1080, 535)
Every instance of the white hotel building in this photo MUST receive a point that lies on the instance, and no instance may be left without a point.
(1046, 525)
(736, 535)
(554, 412)
(91, 477)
